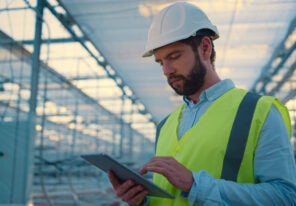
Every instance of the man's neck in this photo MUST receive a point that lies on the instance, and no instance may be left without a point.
(195, 97)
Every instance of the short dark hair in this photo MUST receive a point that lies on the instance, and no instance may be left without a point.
(194, 41)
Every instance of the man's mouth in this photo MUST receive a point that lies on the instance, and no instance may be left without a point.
(174, 81)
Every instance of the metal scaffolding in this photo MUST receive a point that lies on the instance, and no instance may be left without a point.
(61, 98)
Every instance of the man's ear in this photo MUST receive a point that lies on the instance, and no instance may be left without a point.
(205, 48)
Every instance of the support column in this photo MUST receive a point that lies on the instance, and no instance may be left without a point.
(31, 132)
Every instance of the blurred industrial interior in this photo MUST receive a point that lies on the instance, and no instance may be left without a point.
(73, 82)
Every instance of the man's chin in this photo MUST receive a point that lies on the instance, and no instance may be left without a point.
(178, 91)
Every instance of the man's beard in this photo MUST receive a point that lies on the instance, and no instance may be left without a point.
(193, 81)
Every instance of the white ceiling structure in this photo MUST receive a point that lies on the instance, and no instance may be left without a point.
(96, 93)
(250, 31)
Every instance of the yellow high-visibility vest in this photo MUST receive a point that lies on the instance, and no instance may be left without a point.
(203, 146)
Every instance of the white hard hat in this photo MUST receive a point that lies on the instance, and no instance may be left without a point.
(176, 22)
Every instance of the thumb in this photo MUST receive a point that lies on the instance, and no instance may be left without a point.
(113, 179)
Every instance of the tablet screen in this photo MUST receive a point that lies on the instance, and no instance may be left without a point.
(105, 163)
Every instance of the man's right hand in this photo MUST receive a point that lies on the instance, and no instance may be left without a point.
(128, 191)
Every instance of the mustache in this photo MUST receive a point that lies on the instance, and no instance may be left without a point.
(174, 77)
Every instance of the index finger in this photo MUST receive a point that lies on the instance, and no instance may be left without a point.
(148, 166)
(156, 164)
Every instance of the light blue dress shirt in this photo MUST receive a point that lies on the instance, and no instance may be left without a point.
(274, 163)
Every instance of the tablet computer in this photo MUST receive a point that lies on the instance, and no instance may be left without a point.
(105, 163)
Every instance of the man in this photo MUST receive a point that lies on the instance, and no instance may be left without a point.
(194, 141)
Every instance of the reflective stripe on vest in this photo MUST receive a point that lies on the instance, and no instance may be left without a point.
(239, 136)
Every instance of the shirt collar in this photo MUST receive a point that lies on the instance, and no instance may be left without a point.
(213, 92)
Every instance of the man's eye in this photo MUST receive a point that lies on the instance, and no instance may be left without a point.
(175, 56)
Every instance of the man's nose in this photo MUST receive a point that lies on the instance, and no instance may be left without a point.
(167, 68)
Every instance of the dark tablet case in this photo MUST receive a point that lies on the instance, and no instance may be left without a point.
(105, 163)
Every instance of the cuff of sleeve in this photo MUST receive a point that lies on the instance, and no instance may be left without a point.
(193, 193)
(203, 190)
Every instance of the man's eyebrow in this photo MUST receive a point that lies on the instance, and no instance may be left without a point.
(169, 54)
